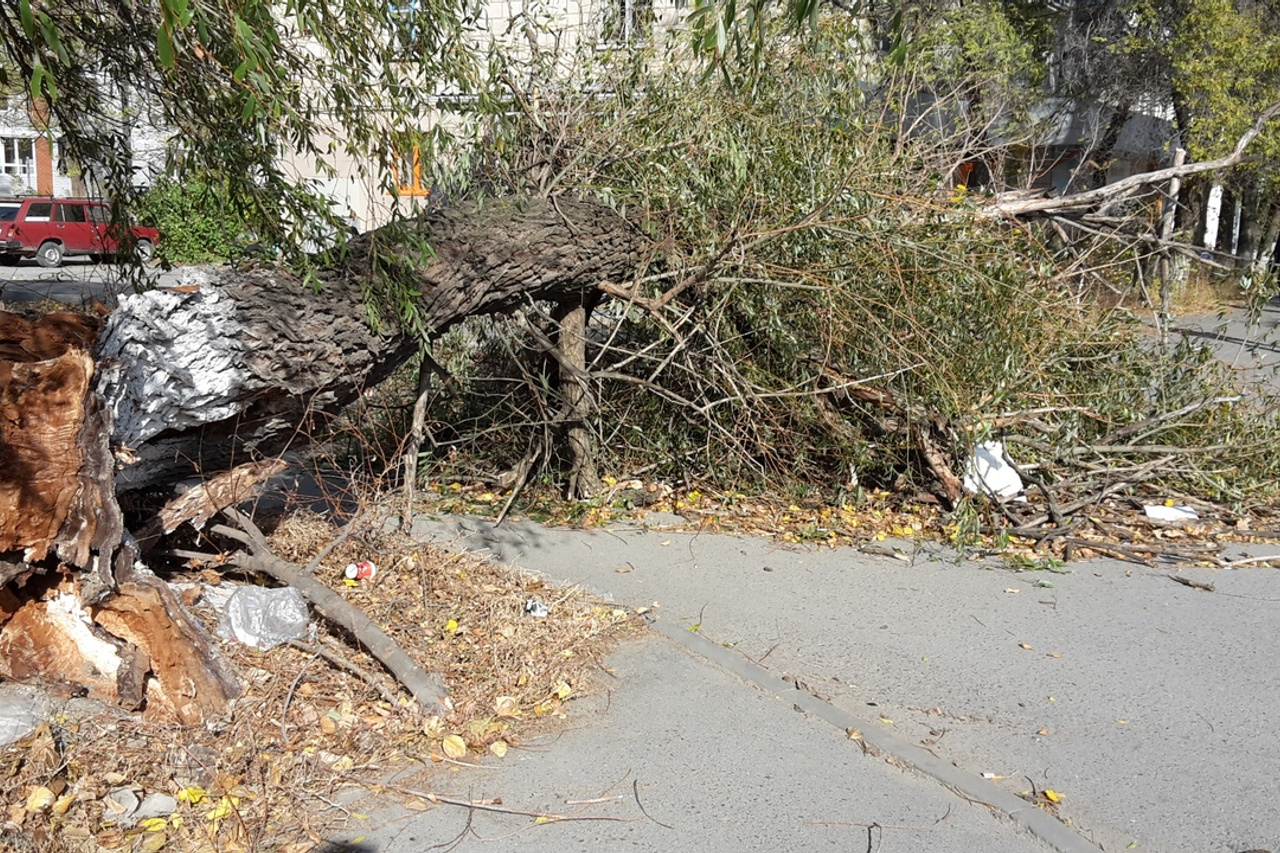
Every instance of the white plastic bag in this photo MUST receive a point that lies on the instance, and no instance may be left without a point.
(264, 618)
(988, 472)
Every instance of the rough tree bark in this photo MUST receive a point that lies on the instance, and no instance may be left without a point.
(229, 367)
(584, 481)
(243, 363)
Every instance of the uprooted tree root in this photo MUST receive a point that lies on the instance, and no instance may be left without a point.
(322, 714)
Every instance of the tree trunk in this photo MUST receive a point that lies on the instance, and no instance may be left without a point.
(1261, 270)
(1213, 216)
(583, 479)
(241, 364)
(228, 367)
(1167, 219)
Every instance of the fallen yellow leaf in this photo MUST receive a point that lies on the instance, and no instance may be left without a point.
(506, 706)
(562, 690)
(223, 809)
(1052, 795)
(499, 748)
(454, 746)
(39, 799)
(192, 795)
(62, 804)
(154, 824)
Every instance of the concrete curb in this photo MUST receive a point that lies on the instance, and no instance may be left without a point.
(1036, 821)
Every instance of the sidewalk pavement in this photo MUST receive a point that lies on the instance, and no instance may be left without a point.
(1148, 705)
(699, 760)
(1253, 349)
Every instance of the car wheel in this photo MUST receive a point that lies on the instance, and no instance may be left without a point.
(145, 250)
(49, 255)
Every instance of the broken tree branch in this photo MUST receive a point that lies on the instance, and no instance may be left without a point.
(1011, 204)
(428, 689)
(487, 805)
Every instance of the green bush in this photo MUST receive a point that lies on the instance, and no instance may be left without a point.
(197, 224)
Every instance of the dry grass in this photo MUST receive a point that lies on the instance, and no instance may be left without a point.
(268, 777)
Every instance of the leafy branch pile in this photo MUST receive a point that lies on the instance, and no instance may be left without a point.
(827, 309)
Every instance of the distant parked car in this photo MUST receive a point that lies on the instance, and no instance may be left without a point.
(50, 229)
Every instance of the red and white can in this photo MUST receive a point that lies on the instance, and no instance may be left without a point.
(360, 571)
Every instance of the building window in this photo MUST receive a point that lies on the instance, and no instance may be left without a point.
(18, 157)
(627, 21)
(408, 173)
(406, 22)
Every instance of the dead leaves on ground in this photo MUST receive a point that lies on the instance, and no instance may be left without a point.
(1115, 528)
(266, 777)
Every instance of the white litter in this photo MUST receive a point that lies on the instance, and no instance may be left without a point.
(264, 618)
(1160, 512)
(988, 472)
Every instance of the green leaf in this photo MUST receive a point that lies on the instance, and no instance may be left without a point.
(164, 47)
(28, 21)
(37, 81)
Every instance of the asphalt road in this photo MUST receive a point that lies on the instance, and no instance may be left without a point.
(75, 282)
(1148, 705)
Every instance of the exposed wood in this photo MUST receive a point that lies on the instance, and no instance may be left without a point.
(55, 472)
(428, 689)
(52, 638)
(202, 502)
(190, 676)
(136, 647)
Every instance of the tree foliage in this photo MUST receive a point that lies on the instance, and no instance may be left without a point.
(825, 296)
(244, 88)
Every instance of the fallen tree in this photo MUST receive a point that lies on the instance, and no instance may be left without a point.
(230, 367)
(236, 366)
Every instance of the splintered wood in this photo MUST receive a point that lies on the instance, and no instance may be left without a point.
(45, 373)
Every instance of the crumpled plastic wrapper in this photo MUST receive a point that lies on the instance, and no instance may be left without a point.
(264, 618)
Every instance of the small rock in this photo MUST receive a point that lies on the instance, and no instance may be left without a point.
(156, 805)
(121, 804)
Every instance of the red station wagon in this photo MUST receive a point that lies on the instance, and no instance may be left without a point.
(49, 229)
